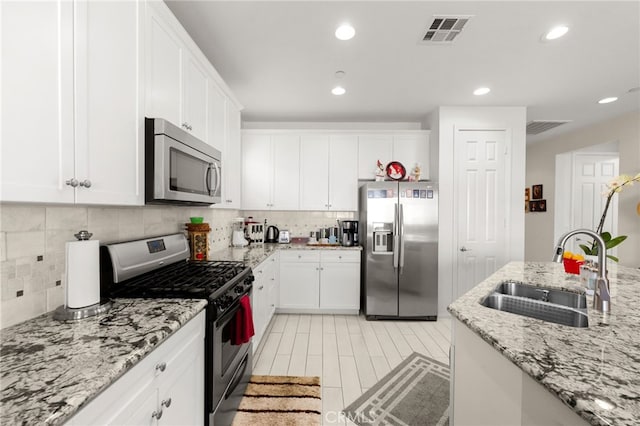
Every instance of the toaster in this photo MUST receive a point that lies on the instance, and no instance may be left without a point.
(284, 237)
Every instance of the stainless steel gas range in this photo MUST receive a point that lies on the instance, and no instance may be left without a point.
(158, 268)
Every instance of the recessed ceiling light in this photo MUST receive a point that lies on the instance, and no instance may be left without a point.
(556, 32)
(481, 91)
(607, 100)
(338, 90)
(345, 32)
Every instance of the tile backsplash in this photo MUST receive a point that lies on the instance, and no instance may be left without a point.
(32, 245)
(33, 237)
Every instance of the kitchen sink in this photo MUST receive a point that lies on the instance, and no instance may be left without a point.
(560, 307)
(551, 295)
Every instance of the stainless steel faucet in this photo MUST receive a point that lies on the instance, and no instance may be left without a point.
(602, 295)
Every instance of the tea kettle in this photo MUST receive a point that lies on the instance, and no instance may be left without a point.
(272, 234)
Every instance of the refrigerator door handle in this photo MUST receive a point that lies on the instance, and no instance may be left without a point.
(401, 238)
(396, 238)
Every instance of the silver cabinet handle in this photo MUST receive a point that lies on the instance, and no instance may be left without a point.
(166, 403)
(86, 183)
(73, 182)
(156, 415)
(463, 248)
(162, 366)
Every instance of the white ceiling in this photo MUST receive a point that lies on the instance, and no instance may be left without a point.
(280, 58)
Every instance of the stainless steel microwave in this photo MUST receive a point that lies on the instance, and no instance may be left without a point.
(179, 168)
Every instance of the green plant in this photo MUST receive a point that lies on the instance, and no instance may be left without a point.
(613, 188)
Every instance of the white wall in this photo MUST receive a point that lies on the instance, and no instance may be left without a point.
(450, 118)
(625, 130)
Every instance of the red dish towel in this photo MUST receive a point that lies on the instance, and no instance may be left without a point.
(243, 329)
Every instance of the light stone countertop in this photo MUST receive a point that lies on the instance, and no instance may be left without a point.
(254, 254)
(49, 369)
(578, 365)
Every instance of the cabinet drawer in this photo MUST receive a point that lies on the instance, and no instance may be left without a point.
(300, 256)
(340, 255)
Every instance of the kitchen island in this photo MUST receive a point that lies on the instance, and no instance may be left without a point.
(50, 369)
(593, 371)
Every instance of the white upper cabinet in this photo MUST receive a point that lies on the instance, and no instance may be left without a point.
(407, 147)
(232, 160)
(328, 173)
(194, 98)
(270, 171)
(314, 172)
(72, 123)
(163, 58)
(343, 174)
(371, 148)
(411, 149)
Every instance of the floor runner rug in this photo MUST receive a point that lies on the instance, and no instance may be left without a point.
(416, 392)
(280, 400)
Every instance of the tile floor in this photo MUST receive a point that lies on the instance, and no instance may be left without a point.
(349, 353)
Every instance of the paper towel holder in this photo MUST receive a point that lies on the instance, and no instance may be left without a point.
(63, 313)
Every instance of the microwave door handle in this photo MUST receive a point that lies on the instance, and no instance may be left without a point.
(218, 178)
(207, 178)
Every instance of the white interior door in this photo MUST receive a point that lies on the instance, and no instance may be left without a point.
(481, 205)
(591, 173)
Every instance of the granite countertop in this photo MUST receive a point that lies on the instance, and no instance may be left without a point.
(578, 365)
(49, 369)
(254, 254)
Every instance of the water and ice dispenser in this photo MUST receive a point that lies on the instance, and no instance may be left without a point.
(383, 237)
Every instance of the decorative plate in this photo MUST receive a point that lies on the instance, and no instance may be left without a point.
(395, 170)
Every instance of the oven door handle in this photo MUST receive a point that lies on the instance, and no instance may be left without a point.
(225, 318)
(237, 376)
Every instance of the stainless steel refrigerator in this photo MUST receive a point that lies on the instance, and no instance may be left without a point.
(399, 234)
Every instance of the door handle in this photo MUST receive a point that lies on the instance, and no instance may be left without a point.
(401, 238)
(218, 178)
(463, 248)
(207, 178)
(396, 238)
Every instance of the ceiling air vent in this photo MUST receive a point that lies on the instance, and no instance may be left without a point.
(444, 29)
(538, 126)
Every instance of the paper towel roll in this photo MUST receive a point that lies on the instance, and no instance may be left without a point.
(82, 287)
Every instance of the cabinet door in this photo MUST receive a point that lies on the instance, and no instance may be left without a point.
(109, 122)
(314, 172)
(217, 120)
(163, 59)
(286, 170)
(372, 148)
(411, 150)
(37, 101)
(259, 304)
(180, 396)
(194, 92)
(340, 286)
(145, 411)
(273, 287)
(343, 174)
(257, 167)
(299, 285)
(232, 159)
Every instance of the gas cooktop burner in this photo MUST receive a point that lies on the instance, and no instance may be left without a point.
(183, 279)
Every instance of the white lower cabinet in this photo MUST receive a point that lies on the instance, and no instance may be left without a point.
(488, 389)
(265, 289)
(320, 281)
(165, 388)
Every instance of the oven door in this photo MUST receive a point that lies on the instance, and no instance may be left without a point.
(232, 364)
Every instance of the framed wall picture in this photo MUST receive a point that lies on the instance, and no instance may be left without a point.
(536, 192)
(527, 197)
(538, 205)
(533, 206)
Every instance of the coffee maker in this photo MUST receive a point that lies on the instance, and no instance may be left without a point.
(349, 233)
